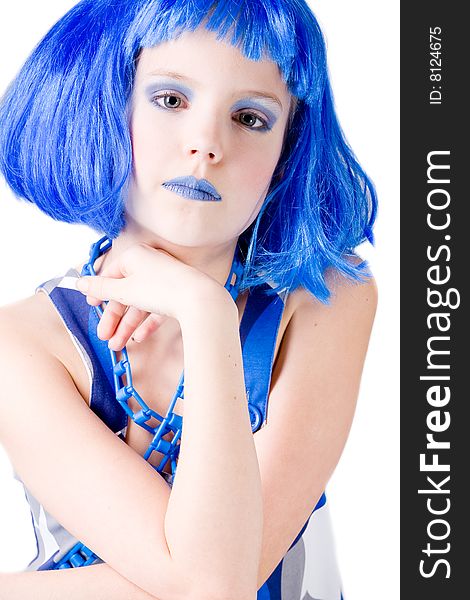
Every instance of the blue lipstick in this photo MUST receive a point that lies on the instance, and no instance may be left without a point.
(195, 189)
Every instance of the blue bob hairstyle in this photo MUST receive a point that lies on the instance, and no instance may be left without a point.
(65, 143)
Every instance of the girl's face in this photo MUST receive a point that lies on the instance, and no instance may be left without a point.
(200, 108)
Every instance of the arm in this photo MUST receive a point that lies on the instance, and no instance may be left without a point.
(311, 405)
(99, 582)
(166, 567)
(216, 503)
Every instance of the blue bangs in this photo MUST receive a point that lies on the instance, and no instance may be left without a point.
(65, 143)
(285, 32)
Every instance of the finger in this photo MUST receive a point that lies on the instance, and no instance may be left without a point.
(112, 314)
(109, 270)
(102, 288)
(147, 327)
(126, 327)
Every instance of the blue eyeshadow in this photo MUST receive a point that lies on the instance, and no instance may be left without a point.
(169, 84)
(249, 103)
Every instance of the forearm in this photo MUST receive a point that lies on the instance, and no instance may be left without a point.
(213, 522)
(214, 517)
(97, 582)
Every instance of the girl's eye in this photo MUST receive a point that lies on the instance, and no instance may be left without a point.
(252, 121)
(168, 100)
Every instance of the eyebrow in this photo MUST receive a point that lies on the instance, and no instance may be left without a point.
(248, 93)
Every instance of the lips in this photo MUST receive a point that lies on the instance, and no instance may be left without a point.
(194, 189)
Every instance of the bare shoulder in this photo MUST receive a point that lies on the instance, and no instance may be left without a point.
(32, 326)
(327, 333)
(348, 299)
(29, 321)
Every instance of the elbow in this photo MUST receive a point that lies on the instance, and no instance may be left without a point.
(203, 586)
(203, 580)
(232, 595)
(224, 592)
(205, 591)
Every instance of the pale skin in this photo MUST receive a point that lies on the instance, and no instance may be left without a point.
(167, 269)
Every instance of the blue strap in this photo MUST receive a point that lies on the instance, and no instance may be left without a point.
(75, 311)
(104, 406)
(258, 334)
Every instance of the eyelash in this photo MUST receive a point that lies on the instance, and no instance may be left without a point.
(264, 127)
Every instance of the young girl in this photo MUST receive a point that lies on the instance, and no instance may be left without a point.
(200, 138)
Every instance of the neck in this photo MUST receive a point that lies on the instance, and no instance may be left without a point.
(214, 261)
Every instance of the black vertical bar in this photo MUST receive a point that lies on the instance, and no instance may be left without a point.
(435, 366)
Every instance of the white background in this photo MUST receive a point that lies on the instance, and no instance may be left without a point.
(362, 39)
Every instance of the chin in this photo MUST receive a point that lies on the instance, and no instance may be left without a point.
(182, 239)
(168, 233)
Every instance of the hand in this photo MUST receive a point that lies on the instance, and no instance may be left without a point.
(143, 286)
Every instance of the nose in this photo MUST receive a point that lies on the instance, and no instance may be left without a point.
(212, 157)
(205, 144)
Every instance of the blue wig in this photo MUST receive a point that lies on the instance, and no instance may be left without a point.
(65, 142)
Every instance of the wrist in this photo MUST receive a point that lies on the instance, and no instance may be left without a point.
(209, 306)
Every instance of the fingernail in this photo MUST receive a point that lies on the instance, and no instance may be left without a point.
(113, 346)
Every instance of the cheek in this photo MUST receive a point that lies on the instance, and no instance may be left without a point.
(258, 167)
(141, 145)
(140, 154)
(151, 146)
